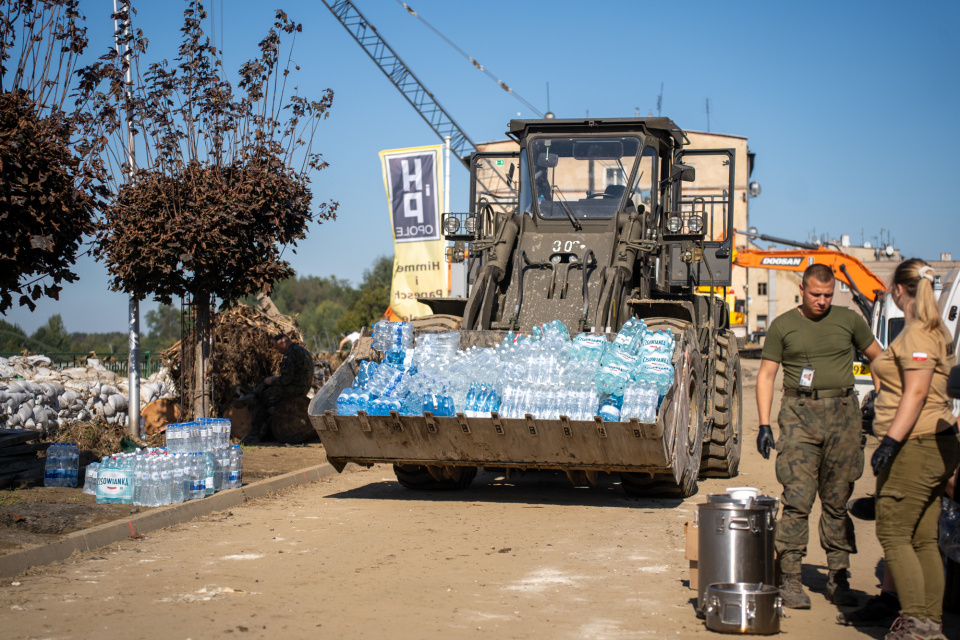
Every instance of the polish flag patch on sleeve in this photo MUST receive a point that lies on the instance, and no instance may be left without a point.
(919, 356)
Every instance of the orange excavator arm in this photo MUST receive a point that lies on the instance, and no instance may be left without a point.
(845, 268)
(866, 286)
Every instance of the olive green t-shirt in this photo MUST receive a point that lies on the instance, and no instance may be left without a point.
(826, 344)
(915, 348)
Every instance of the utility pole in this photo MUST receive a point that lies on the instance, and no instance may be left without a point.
(133, 316)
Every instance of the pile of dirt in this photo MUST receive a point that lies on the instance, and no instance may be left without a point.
(242, 355)
(98, 438)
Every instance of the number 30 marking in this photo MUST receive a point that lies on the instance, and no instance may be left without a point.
(567, 246)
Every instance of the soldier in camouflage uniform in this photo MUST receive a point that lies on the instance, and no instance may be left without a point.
(820, 448)
(293, 380)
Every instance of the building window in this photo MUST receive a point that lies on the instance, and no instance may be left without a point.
(844, 287)
(761, 288)
(761, 323)
(614, 176)
(796, 299)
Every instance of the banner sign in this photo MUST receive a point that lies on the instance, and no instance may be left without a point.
(414, 193)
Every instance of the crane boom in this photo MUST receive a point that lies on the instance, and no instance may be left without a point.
(402, 78)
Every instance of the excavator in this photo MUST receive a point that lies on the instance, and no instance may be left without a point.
(865, 286)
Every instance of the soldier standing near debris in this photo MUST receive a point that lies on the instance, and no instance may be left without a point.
(820, 449)
(292, 382)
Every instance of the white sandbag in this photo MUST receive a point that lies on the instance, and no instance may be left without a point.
(118, 401)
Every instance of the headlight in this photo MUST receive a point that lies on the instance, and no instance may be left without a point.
(470, 224)
(451, 225)
(694, 224)
(674, 223)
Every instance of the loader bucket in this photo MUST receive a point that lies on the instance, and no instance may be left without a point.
(527, 443)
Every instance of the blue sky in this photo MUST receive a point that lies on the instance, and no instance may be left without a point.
(851, 108)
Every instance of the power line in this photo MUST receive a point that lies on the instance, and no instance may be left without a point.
(473, 61)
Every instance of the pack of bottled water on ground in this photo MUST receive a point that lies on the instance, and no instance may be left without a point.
(546, 374)
(203, 434)
(155, 477)
(62, 465)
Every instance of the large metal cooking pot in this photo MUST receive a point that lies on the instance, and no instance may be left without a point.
(736, 541)
(742, 607)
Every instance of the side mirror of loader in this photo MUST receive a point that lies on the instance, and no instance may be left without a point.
(685, 172)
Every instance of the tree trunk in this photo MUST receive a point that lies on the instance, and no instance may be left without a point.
(202, 393)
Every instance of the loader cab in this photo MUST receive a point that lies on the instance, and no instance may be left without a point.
(577, 179)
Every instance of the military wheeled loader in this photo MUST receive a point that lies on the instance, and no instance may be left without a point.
(590, 222)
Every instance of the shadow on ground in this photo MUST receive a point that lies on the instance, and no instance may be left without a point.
(536, 488)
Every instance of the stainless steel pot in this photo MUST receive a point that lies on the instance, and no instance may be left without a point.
(736, 541)
(742, 607)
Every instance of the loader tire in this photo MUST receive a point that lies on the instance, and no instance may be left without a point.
(687, 432)
(415, 476)
(722, 447)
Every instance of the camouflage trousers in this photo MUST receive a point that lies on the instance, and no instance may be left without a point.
(819, 452)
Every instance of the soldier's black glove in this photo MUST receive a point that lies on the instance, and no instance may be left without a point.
(765, 441)
(884, 454)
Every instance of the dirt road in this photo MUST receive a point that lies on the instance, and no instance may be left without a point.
(356, 555)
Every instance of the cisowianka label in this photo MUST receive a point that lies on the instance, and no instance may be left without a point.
(115, 483)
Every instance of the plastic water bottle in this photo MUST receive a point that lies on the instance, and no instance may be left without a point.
(630, 337)
(176, 482)
(90, 479)
(438, 404)
(239, 480)
(611, 378)
(74, 464)
(138, 480)
(50, 474)
(210, 468)
(392, 335)
(588, 347)
(661, 339)
(648, 404)
(197, 488)
(172, 437)
(610, 409)
(367, 369)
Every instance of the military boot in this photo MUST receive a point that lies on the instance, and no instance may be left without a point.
(838, 589)
(792, 593)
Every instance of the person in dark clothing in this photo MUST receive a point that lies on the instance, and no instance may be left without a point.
(293, 381)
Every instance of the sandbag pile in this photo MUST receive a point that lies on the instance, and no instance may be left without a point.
(36, 395)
